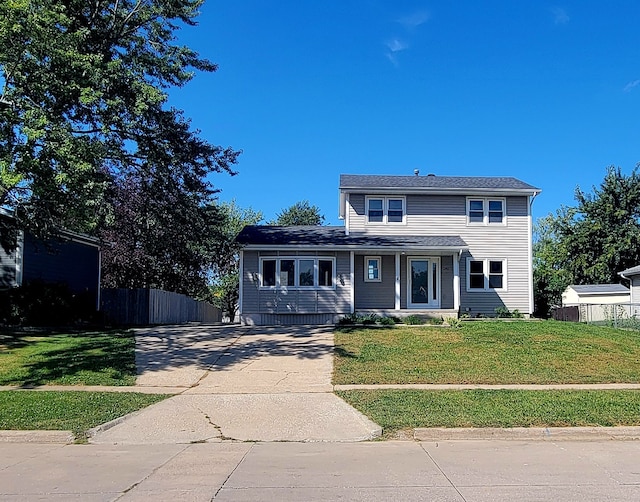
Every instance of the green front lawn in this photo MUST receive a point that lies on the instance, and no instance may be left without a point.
(89, 358)
(75, 411)
(489, 353)
(396, 410)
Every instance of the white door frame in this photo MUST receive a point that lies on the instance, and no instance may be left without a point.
(432, 304)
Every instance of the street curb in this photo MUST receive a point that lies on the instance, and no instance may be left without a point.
(528, 434)
(48, 437)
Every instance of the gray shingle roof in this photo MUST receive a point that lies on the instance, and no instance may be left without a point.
(599, 288)
(262, 235)
(630, 271)
(355, 181)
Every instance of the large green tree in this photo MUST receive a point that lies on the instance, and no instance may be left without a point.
(225, 271)
(591, 242)
(301, 213)
(83, 106)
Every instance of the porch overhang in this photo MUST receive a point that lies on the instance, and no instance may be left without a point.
(315, 238)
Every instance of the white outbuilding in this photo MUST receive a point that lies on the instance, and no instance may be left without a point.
(600, 294)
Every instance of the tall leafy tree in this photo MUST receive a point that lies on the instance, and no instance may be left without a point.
(301, 213)
(159, 235)
(83, 106)
(225, 272)
(593, 241)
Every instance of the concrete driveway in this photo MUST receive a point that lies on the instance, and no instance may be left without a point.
(238, 383)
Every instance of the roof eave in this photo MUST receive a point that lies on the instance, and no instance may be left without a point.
(443, 191)
(352, 247)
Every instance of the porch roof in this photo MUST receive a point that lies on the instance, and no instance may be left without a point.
(265, 237)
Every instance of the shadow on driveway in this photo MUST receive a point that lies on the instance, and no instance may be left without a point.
(179, 355)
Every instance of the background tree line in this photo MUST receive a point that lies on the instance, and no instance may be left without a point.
(588, 243)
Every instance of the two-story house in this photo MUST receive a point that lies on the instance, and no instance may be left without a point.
(432, 245)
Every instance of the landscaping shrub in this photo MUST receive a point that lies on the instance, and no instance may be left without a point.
(43, 304)
(369, 318)
(413, 319)
(386, 321)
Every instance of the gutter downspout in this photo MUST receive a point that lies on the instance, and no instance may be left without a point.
(530, 274)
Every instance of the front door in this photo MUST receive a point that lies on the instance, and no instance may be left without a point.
(423, 282)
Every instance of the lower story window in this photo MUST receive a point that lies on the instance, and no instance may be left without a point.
(484, 275)
(303, 272)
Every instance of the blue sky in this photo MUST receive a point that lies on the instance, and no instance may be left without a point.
(546, 92)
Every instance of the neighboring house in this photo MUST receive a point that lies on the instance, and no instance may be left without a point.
(633, 276)
(72, 259)
(600, 294)
(431, 245)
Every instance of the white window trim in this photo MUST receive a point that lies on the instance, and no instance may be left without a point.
(296, 269)
(485, 270)
(485, 210)
(366, 268)
(385, 209)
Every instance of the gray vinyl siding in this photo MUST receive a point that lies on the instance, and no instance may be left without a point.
(446, 282)
(256, 300)
(7, 268)
(511, 243)
(445, 215)
(375, 295)
(72, 263)
(635, 289)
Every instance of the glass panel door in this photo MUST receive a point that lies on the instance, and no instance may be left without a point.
(424, 283)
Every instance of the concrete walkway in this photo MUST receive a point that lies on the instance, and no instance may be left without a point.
(238, 383)
(456, 471)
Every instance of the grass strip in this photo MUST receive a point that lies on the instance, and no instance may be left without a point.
(88, 358)
(396, 410)
(76, 411)
(488, 352)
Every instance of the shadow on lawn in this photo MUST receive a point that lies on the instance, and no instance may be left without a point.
(77, 356)
(219, 347)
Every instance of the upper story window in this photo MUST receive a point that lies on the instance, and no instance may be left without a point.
(481, 211)
(385, 209)
(302, 272)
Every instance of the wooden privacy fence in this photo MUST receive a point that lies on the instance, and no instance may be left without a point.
(140, 307)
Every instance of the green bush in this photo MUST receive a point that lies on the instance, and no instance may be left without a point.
(502, 312)
(413, 319)
(386, 321)
(44, 304)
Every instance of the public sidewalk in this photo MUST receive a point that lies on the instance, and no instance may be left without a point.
(456, 471)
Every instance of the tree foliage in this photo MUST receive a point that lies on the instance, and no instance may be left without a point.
(225, 287)
(591, 242)
(83, 106)
(159, 235)
(301, 213)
